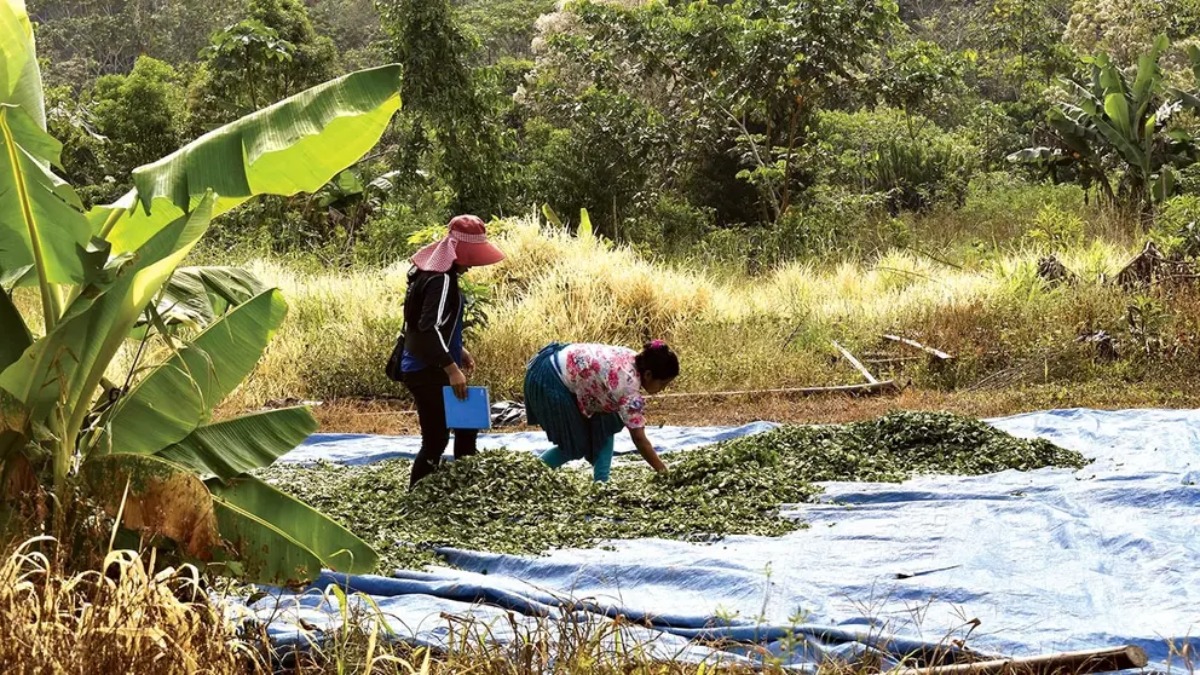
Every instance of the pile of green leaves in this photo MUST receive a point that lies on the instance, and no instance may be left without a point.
(512, 503)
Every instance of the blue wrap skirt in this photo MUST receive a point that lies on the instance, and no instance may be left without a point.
(550, 405)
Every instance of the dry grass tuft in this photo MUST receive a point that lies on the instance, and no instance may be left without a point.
(364, 642)
(127, 619)
(123, 620)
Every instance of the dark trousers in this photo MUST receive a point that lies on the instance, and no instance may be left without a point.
(426, 389)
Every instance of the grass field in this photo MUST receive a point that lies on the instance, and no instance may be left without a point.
(1004, 326)
(1014, 338)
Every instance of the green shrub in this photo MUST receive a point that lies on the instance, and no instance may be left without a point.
(999, 129)
(1177, 226)
(600, 159)
(668, 221)
(1188, 179)
(833, 223)
(911, 161)
(1055, 229)
(141, 114)
(388, 236)
(71, 122)
(1001, 207)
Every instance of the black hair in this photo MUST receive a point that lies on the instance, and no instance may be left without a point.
(658, 359)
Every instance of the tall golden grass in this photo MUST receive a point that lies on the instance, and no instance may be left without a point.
(732, 332)
(123, 618)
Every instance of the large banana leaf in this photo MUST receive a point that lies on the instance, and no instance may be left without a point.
(1164, 185)
(1110, 78)
(1146, 78)
(296, 145)
(14, 339)
(277, 539)
(68, 363)
(178, 395)
(155, 497)
(1073, 133)
(20, 77)
(1125, 144)
(1149, 77)
(40, 221)
(196, 296)
(233, 447)
(22, 276)
(1117, 108)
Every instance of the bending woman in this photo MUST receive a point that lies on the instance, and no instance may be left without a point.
(582, 395)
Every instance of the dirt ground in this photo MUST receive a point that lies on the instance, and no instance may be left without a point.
(396, 416)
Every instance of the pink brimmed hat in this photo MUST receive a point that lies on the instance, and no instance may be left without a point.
(466, 244)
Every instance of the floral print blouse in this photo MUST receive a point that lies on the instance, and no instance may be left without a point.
(604, 379)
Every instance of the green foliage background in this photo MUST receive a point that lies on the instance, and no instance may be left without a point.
(761, 129)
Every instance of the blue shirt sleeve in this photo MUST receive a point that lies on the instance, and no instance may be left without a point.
(456, 338)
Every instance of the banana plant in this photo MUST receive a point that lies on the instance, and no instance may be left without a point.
(196, 296)
(1116, 133)
(147, 447)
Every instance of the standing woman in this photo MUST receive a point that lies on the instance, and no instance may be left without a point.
(582, 395)
(433, 355)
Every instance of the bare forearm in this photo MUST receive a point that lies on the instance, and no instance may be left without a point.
(646, 449)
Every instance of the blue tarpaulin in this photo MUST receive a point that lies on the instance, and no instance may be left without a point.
(1017, 563)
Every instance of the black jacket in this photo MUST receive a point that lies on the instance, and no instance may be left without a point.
(431, 309)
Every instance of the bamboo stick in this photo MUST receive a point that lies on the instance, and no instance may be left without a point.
(913, 343)
(886, 386)
(854, 362)
(1068, 663)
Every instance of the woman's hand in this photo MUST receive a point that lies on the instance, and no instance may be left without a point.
(458, 381)
(468, 363)
(646, 449)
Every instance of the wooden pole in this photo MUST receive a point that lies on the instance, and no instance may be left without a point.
(1069, 663)
(854, 362)
(913, 343)
(887, 386)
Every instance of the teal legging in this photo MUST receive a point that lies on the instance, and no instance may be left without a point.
(555, 458)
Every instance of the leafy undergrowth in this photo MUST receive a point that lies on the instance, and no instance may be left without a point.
(512, 503)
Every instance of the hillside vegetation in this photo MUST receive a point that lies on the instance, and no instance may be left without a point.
(763, 177)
